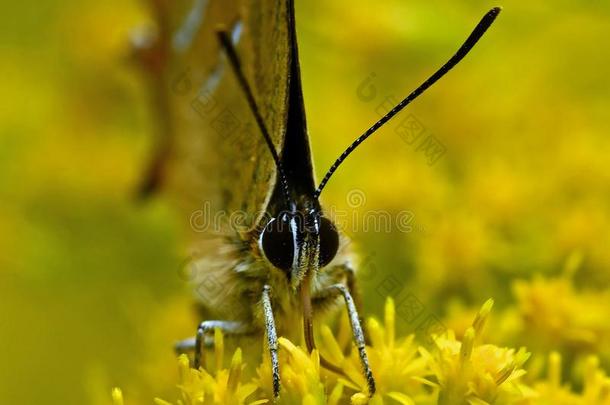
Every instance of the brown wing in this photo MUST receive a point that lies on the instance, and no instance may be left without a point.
(218, 158)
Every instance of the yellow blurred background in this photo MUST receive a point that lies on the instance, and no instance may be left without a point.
(517, 208)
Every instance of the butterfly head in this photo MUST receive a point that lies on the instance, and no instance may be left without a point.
(298, 242)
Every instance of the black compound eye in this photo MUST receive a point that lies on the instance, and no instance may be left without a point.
(277, 243)
(329, 241)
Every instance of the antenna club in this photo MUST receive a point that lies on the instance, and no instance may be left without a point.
(493, 13)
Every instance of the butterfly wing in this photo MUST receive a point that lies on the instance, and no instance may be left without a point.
(218, 159)
(219, 164)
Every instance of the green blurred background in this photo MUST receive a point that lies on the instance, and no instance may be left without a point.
(89, 279)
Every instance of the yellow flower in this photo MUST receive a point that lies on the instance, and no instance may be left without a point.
(471, 373)
(596, 385)
(117, 396)
(300, 376)
(224, 387)
(577, 321)
(455, 372)
(397, 367)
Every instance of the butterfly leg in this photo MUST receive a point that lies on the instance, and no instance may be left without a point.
(354, 291)
(204, 329)
(271, 334)
(357, 332)
(346, 272)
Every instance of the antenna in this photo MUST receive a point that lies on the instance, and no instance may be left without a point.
(227, 45)
(474, 37)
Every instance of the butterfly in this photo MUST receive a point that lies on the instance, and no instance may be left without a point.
(275, 259)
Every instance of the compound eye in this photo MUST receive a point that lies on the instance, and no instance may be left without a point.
(329, 241)
(277, 243)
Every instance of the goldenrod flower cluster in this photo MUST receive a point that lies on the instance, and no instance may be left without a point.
(465, 370)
